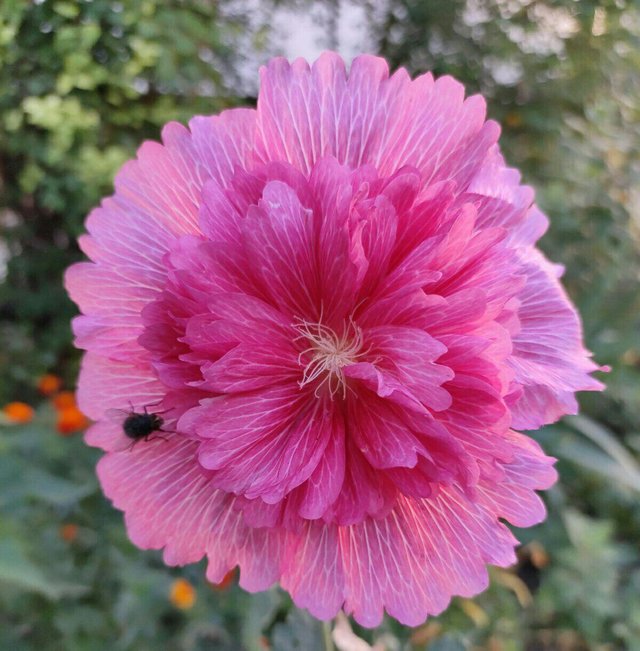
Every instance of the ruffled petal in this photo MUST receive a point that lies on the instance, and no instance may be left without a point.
(112, 300)
(263, 443)
(106, 384)
(306, 113)
(501, 201)
(514, 497)
(365, 491)
(381, 434)
(322, 488)
(313, 571)
(548, 358)
(413, 561)
(338, 273)
(157, 198)
(242, 344)
(279, 239)
(176, 508)
(222, 143)
(411, 353)
(409, 563)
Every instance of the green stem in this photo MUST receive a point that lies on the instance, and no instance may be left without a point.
(326, 634)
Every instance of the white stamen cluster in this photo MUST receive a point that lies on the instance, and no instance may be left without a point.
(329, 354)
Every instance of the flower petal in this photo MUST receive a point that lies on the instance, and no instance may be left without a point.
(263, 443)
(409, 563)
(514, 497)
(243, 344)
(157, 198)
(548, 358)
(322, 488)
(177, 509)
(306, 113)
(109, 384)
(411, 353)
(279, 240)
(313, 570)
(381, 434)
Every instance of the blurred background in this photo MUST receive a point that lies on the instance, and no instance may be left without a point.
(83, 83)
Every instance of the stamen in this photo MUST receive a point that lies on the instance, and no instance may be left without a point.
(329, 353)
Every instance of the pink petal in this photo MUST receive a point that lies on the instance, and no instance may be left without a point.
(411, 562)
(251, 366)
(113, 299)
(263, 443)
(411, 354)
(244, 345)
(381, 434)
(514, 497)
(372, 225)
(383, 384)
(220, 143)
(432, 128)
(156, 511)
(109, 384)
(365, 491)
(157, 198)
(322, 488)
(339, 273)
(313, 571)
(220, 219)
(305, 114)
(549, 360)
(424, 219)
(502, 201)
(279, 238)
(177, 509)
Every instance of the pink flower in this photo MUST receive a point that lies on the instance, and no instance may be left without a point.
(336, 304)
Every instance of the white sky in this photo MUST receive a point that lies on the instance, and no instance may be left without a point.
(300, 33)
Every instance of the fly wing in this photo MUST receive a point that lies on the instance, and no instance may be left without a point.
(117, 415)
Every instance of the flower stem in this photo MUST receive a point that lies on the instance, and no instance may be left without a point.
(326, 634)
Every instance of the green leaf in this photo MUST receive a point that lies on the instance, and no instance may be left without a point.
(447, 643)
(299, 632)
(602, 454)
(55, 490)
(16, 569)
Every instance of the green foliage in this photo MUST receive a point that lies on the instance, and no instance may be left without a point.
(84, 83)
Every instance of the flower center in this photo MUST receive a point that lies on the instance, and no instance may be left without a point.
(328, 354)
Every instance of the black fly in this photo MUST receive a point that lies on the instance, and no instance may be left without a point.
(139, 426)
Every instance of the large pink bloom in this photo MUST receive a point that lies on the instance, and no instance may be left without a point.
(337, 302)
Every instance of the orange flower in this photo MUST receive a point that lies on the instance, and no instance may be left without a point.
(182, 594)
(64, 400)
(227, 580)
(513, 120)
(18, 412)
(48, 384)
(70, 420)
(69, 532)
